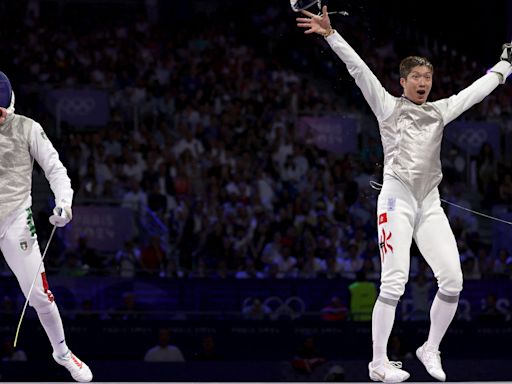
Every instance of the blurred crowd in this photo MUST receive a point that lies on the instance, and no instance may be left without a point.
(203, 134)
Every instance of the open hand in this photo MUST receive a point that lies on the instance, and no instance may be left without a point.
(315, 23)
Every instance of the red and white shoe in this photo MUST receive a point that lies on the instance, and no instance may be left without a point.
(78, 369)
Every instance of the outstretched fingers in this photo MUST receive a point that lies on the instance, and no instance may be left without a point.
(304, 22)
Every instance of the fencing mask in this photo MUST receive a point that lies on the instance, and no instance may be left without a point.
(300, 5)
(5, 91)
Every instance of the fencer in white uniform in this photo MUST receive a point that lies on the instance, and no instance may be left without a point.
(22, 140)
(409, 206)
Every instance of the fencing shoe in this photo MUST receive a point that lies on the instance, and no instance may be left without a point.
(78, 369)
(388, 372)
(432, 362)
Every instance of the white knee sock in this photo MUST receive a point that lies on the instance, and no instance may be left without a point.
(383, 318)
(52, 324)
(441, 315)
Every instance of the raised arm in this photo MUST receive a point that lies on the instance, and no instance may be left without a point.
(454, 106)
(380, 101)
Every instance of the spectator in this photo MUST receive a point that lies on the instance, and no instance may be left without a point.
(152, 257)
(470, 269)
(72, 266)
(352, 262)
(128, 260)
(505, 190)
(490, 311)
(164, 351)
(135, 198)
(87, 257)
(248, 270)
(256, 310)
(335, 310)
(208, 351)
(362, 298)
(501, 265)
(308, 357)
(129, 309)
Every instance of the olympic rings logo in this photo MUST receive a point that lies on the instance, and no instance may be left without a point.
(293, 307)
(472, 138)
(77, 105)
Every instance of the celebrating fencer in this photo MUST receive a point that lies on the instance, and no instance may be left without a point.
(21, 141)
(409, 206)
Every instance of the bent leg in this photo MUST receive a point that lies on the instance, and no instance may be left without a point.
(437, 244)
(22, 254)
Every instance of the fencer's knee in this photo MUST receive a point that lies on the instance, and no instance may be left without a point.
(392, 289)
(451, 284)
(42, 303)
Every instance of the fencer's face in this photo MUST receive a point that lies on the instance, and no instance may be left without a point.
(3, 115)
(418, 84)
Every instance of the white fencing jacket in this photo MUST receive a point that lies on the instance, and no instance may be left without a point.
(21, 140)
(411, 134)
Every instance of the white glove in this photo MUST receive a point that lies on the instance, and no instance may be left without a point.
(504, 68)
(61, 216)
(507, 52)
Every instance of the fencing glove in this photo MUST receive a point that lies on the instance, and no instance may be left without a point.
(504, 68)
(61, 215)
